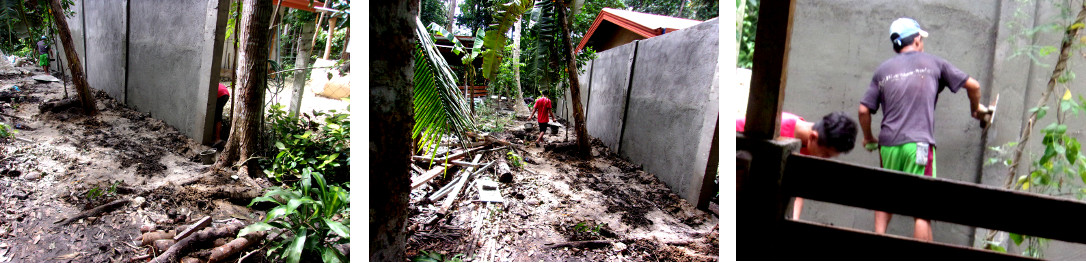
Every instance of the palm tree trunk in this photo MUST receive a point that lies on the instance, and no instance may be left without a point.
(450, 15)
(301, 60)
(519, 107)
(391, 113)
(583, 147)
(79, 79)
(252, 78)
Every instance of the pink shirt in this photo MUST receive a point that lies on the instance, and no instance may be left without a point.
(788, 126)
(223, 91)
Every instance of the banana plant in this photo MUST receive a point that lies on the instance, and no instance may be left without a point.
(494, 42)
(439, 107)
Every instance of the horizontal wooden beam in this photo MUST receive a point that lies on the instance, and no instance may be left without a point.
(808, 241)
(933, 198)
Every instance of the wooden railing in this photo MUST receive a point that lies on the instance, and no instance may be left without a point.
(480, 91)
(769, 176)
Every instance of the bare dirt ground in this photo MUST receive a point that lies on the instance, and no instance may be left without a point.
(556, 198)
(62, 163)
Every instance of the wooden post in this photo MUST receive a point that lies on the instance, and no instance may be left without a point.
(768, 75)
(331, 31)
(78, 79)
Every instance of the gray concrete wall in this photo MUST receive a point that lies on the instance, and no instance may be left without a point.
(664, 119)
(160, 57)
(107, 61)
(837, 44)
(609, 91)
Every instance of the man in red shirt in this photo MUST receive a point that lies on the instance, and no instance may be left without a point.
(543, 108)
(220, 102)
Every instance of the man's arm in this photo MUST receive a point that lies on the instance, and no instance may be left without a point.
(972, 88)
(532, 115)
(865, 125)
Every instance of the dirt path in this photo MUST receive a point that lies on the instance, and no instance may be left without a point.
(556, 198)
(63, 163)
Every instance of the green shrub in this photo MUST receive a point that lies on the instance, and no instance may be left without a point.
(300, 143)
(310, 217)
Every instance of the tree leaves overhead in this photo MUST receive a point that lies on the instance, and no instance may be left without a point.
(495, 40)
(439, 107)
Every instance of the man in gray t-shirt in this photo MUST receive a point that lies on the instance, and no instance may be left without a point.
(907, 87)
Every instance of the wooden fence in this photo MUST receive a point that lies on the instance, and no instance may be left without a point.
(769, 175)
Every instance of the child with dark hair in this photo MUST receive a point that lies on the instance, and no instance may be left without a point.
(833, 135)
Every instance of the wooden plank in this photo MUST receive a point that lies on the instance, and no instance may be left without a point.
(769, 71)
(862, 245)
(446, 158)
(932, 198)
(456, 189)
(417, 169)
(465, 164)
(428, 176)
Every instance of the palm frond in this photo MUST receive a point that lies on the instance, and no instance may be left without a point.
(439, 108)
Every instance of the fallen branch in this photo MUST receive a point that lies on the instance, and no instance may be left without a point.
(201, 224)
(95, 211)
(174, 253)
(233, 247)
(60, 105)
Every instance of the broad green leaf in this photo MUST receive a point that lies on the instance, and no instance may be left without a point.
(264, 199)
(293, 204)
(1016, 237)
(294, 250)
(255, 227)
(996, 247)
(280, 146)
(338, 228)
(330, 255)
(1076, 26)
(276, 212)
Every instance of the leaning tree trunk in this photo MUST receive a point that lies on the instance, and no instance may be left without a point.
(583, 148)
(252, 77)
(518, 106)
(80, 80)
(391, 112)
(301, 61)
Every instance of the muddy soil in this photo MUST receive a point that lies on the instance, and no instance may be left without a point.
(557, 197)
(61, 163)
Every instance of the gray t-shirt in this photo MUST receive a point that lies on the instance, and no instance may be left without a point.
(907, 87)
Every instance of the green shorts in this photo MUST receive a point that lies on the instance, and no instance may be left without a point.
(43, 60)
(903, 158)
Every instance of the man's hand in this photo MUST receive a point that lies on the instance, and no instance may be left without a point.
(865, 126)
(979, 112)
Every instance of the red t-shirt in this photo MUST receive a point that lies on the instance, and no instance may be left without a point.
(223, 90)
(788, 126)
(542, 108)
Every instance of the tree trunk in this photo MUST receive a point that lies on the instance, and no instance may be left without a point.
(583, 146)
(391, 112)
(300, 61)
(252, 78)
(234, 73)
(331, 32)
(450, 15)
(78, 78)
(518, 105)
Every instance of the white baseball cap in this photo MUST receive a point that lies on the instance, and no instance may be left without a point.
(905, 27)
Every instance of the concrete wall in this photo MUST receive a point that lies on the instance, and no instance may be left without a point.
(160, 57)
(107, 31)
(837, 44)
(654, 101)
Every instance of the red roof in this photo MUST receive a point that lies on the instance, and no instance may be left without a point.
(645, 25)
(299, 4)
